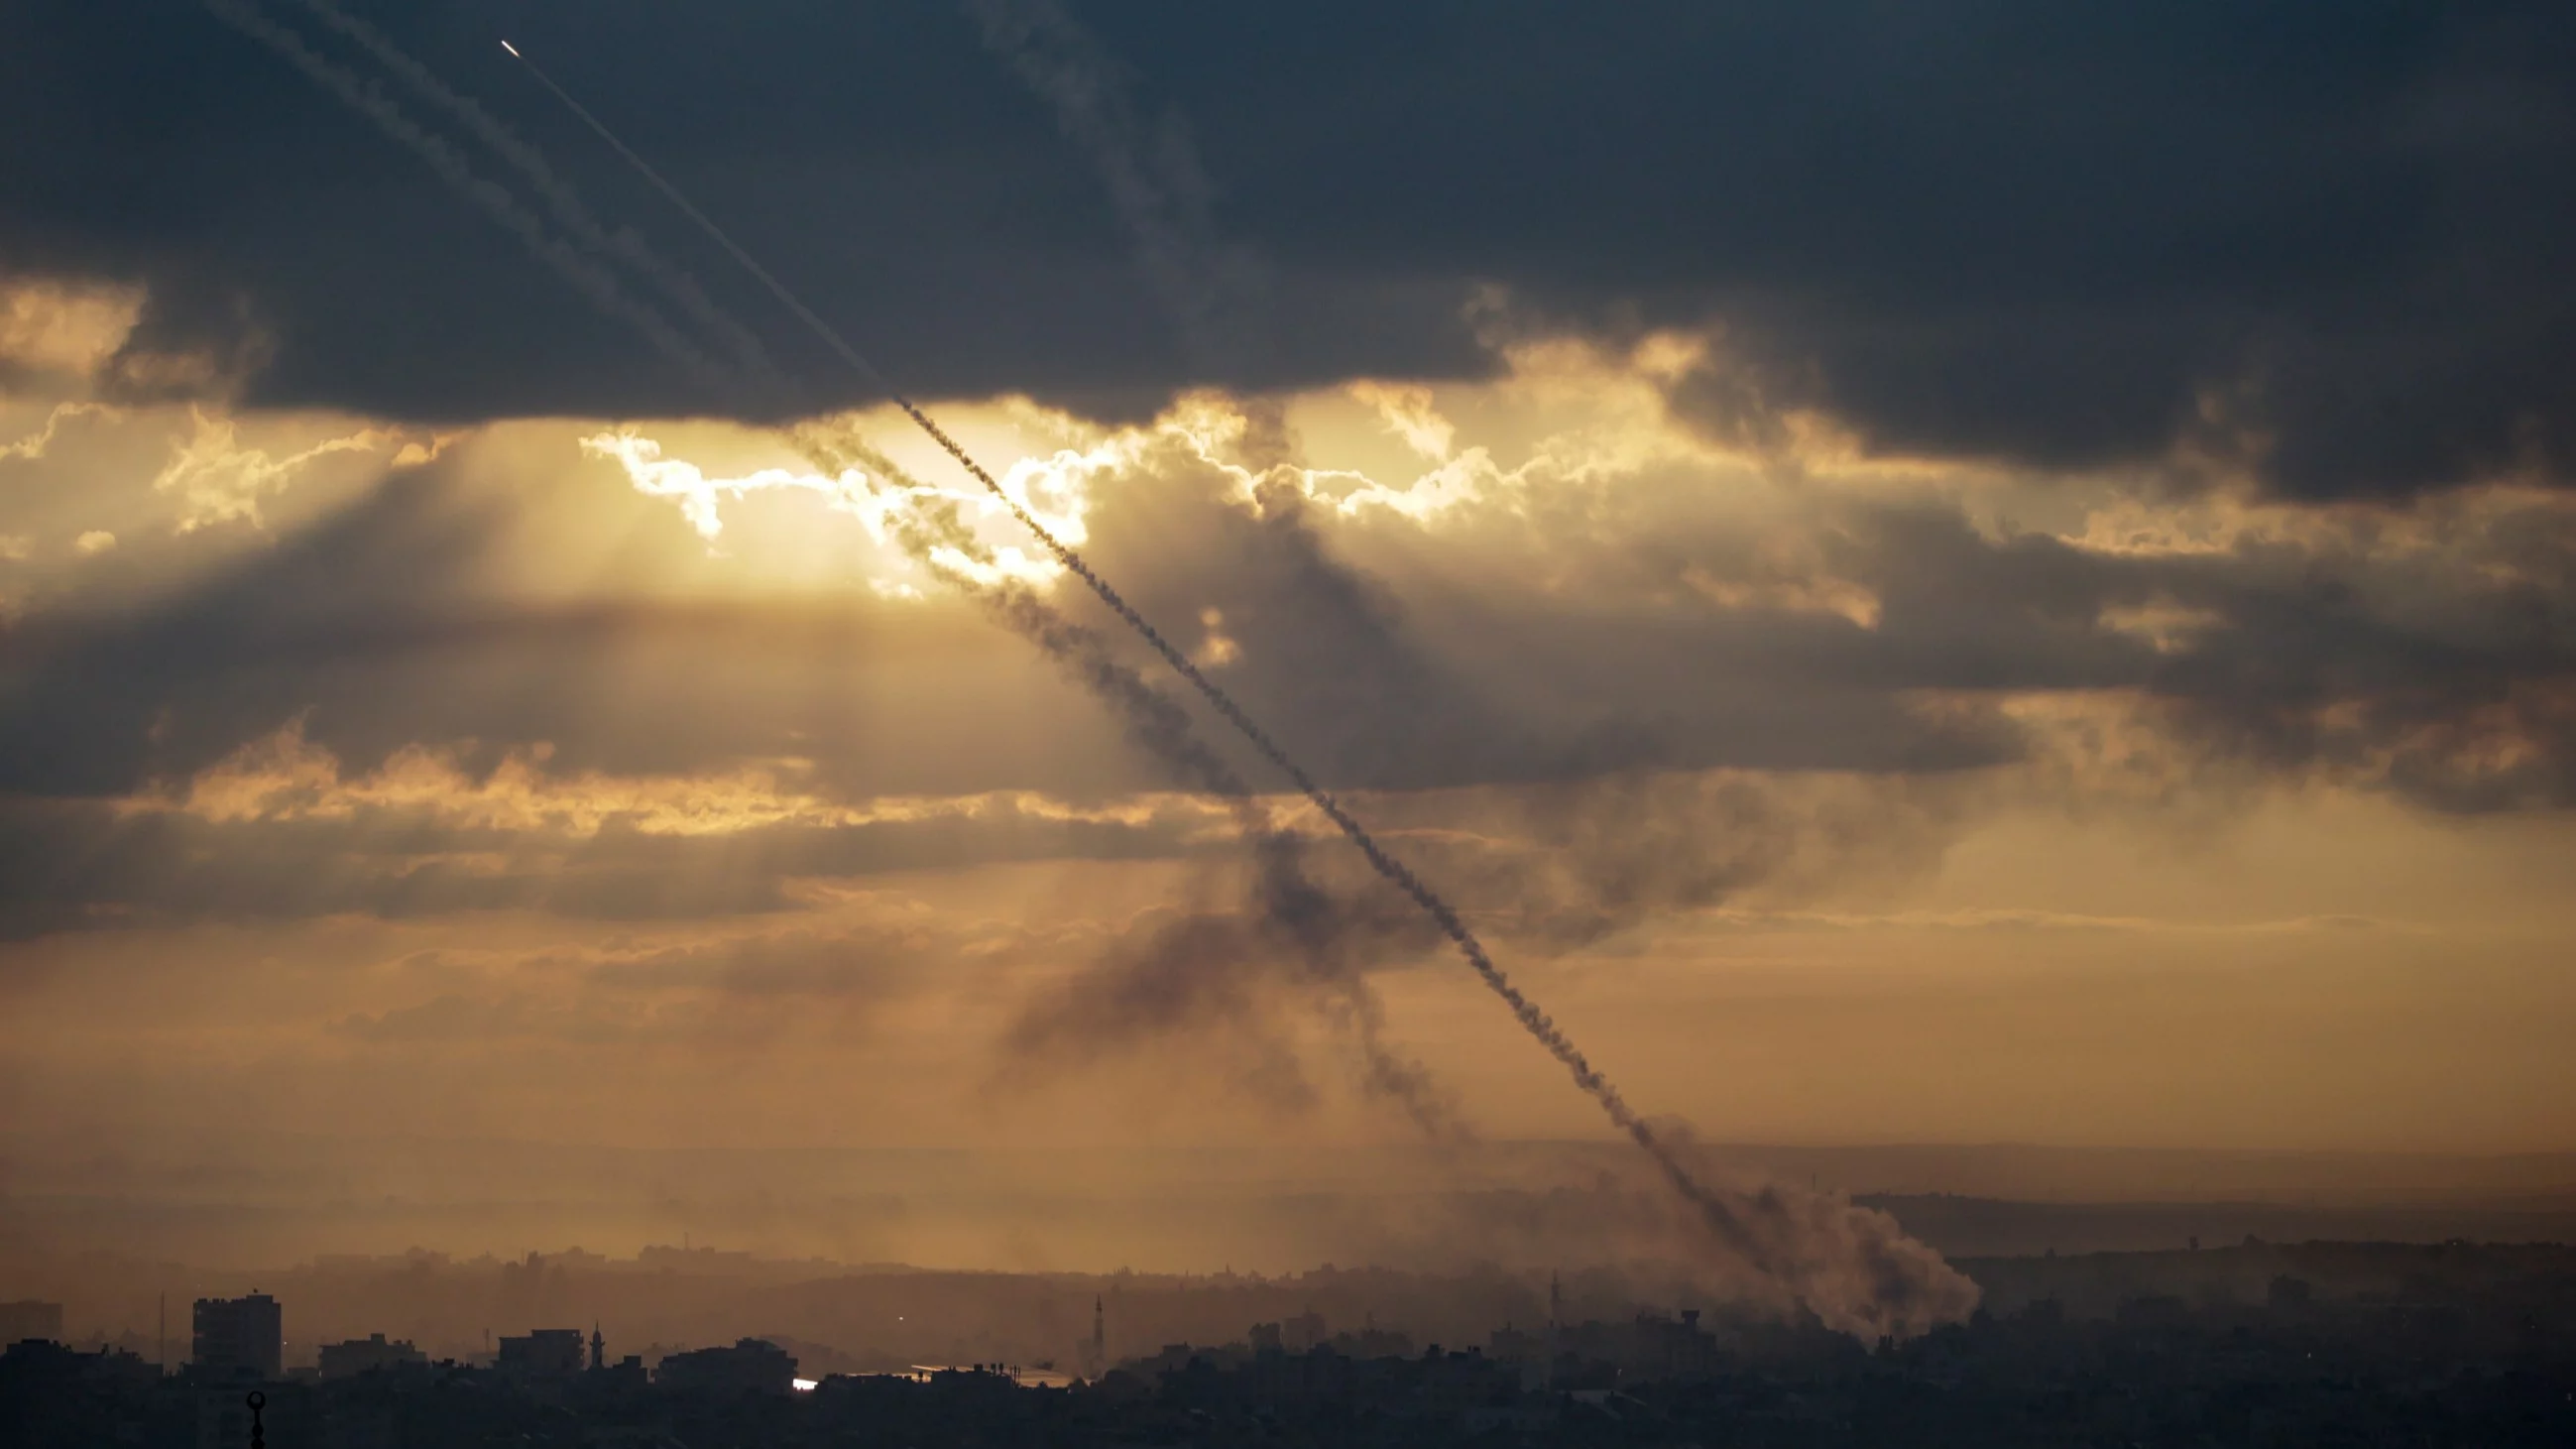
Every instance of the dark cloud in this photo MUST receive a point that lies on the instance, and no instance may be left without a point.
(2428, 650)
(2450, 678)
(395, 621)
(2432, 653)
(1415, 679)
(77, 864)
(2329, 232)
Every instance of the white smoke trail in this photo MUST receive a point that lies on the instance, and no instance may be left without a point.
(1903, 1285)
(592, 281)
(1739, 1224)
(561, 200)
(1900, 1285)
(1147, 715)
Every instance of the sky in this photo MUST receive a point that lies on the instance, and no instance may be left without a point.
(1978, 573)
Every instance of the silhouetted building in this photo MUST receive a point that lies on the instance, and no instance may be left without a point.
(30, 1319)
(542, 1353)
(1302, 1332)
(2288, 1293)
(1649, 1346)
(108, 1370)
(2390, 1347)
(1526, 1351)
(626, 1376)
(237, 1338)
(359, 1355)
(225, 1419)
(751, 1365)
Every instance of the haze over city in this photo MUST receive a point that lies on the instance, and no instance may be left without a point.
(1744, 653)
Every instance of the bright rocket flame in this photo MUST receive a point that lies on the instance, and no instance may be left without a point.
(514, 50)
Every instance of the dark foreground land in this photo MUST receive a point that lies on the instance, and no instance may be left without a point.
(2355, 1345)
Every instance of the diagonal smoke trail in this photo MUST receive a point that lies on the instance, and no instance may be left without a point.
(1288, 900)
(1326, 938)
(1854, 1263)
(1722, 1217)
(561, 201)
(591, 280)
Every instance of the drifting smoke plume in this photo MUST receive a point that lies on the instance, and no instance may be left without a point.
(561, 201)
(1331, 945)
(1152, 172)
(1331, 942)
(1907, 1286)
(1855, 1269)
(1904, 1285)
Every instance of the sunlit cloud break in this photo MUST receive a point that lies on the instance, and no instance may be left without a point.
(688, 485)
(864, 496)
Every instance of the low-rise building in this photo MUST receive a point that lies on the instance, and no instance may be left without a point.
(751, 1365)
(349, 1359)
(543, 1353)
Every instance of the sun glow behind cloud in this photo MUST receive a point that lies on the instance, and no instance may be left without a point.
(217, 480)
(700, 497)
(1049, 488)
(678, 684)
(66, 329)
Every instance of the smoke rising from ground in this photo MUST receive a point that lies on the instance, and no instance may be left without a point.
(1884, 1281)
(1855, 1268)
(1903, 1284)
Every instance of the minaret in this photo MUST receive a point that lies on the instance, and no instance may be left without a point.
(1099, 1338)
(598, 1348)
